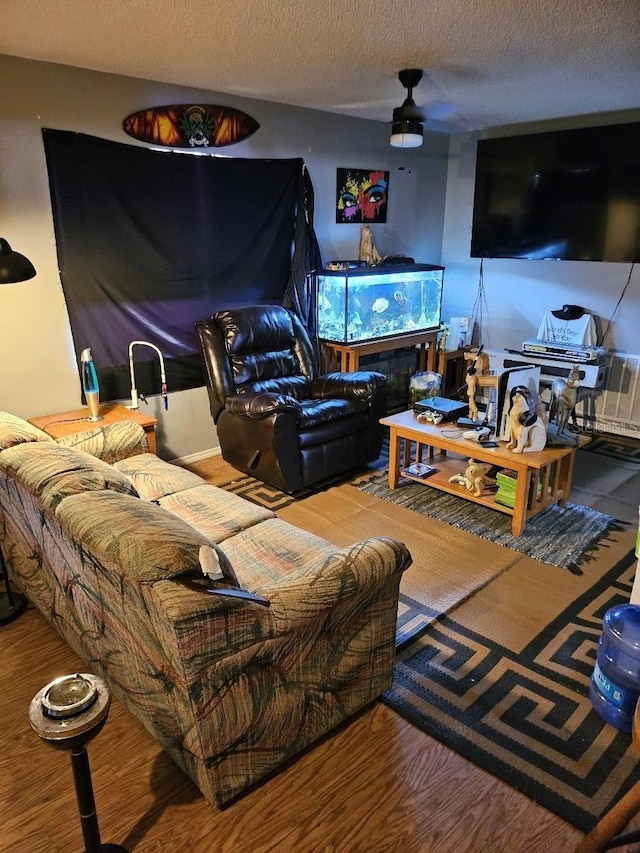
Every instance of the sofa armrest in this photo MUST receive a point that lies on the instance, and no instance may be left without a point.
(359, 570)
(261, 405)
(263, 683)
(111, 442)
(361, 385)
(209, 629)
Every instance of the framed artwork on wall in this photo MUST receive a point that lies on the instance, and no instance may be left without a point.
(361, 196)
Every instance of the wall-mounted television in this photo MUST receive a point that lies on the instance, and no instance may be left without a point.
(569, 195)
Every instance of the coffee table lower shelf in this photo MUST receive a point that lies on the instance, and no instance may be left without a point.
(448, 466)
(542, 478)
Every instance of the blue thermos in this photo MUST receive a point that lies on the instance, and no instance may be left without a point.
(615, 683)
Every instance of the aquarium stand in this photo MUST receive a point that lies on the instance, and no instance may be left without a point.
(346, 357)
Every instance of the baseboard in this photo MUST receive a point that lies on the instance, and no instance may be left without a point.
(196, 457)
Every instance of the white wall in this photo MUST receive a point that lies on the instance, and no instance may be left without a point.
(519, 292)
(38, 373)
(429, 218)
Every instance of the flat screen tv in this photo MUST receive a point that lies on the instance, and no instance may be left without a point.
(569, 195)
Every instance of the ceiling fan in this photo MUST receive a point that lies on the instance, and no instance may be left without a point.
(407, 130)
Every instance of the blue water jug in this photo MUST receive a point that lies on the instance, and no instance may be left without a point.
(615, 683)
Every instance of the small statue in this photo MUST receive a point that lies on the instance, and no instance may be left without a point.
(527, 430)
(479, 367)
(564, 397)
(477, 476)
(368, 251)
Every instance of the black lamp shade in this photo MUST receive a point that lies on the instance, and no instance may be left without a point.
(14, 267)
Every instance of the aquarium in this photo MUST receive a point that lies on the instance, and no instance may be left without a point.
(369, 304)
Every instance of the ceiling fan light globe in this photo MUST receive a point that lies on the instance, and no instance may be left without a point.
(406, 134)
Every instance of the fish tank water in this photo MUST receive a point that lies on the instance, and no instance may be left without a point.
(368, 304)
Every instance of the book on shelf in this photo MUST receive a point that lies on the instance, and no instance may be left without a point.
(505, 500)
(506, 493)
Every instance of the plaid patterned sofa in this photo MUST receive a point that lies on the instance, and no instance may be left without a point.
(100, 535)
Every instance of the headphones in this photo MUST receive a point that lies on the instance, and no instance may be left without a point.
(527, 419)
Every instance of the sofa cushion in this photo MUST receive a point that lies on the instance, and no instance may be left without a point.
(15, 430)
(52, 472)
(272, 551)
(153, 478)
(140, 540)
(215, 513)
(110, 442)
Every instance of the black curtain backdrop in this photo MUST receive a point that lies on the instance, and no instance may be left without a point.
(149, 242)
(300, 295)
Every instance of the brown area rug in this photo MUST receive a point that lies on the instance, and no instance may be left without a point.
(449, 565)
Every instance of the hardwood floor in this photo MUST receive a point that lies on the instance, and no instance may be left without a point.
(377, 784)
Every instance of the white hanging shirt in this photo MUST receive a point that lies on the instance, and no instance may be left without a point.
(580, 332)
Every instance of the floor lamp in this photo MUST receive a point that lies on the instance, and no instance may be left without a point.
(14, 268)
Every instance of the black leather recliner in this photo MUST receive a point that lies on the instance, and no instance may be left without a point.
(277, 420)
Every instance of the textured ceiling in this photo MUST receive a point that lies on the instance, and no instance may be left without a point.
(486, 62)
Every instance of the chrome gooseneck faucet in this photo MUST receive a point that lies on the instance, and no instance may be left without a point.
(134, 391)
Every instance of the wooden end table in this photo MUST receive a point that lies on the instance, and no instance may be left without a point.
(543, 477)
(77, 420)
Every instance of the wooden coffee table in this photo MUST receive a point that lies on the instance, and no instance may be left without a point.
(543, 478)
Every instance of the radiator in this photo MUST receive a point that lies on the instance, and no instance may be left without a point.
(615, 408)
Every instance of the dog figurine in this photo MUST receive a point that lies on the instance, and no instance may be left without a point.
(527, 431)
(564, 397)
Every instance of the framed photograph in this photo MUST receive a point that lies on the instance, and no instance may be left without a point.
(361, 196)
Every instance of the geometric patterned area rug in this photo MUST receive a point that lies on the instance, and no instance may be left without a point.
(268, 496)
(615, 447)
(559, 536)
(525, 716)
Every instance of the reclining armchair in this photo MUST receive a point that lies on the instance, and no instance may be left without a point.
(277, 419)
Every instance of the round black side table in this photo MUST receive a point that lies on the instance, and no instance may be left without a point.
(68, 713)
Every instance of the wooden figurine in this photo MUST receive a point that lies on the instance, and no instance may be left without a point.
(478, 367)
(368, 251)
(477, 476)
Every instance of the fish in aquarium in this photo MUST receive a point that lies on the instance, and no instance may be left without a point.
(380, 305)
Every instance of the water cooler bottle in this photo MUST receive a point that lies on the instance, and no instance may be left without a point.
(615, 683)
